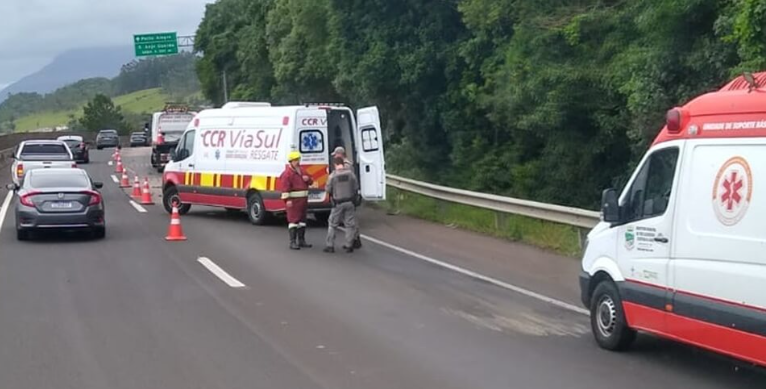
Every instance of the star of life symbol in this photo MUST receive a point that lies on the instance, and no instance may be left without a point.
(732, 191)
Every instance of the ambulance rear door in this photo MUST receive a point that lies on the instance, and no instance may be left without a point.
(372, 165)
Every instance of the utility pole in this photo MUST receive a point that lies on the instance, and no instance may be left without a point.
(225, 88)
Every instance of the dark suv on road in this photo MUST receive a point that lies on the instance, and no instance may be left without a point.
(107, 138)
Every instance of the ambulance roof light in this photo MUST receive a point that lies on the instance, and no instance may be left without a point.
(673, 120)
(245, 104)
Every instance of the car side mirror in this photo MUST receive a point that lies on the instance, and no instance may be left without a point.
(173, 155)
(98, 185)
(12, 187)
(610, 209)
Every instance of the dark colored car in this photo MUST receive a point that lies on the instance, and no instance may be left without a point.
(107, 138)
(78, 146)
(138, 139)
(59, 199)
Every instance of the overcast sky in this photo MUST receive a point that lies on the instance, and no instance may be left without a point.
(33, 32)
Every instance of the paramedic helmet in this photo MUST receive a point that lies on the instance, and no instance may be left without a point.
(294, 155)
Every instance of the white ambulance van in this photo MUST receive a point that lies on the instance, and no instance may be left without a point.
(232, 157)
(681, 252)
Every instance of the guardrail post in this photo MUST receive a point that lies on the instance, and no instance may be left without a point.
(501, 220)
(582, 235)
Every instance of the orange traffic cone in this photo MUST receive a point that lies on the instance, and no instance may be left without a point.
(118, 169)
(146, 193)
(175, 232)
(124, 183)
(136, 188)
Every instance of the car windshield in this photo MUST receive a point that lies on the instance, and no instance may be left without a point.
(47, 180)
(46, 148)
(72, 143)
(108, 132)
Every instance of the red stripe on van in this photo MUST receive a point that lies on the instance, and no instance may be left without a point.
(723, 340)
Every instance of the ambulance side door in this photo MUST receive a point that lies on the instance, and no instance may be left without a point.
(184, 162)
(372, 164)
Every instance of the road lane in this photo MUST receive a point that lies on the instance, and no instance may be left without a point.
(135, 311)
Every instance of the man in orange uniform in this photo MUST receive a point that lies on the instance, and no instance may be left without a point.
(294, 185)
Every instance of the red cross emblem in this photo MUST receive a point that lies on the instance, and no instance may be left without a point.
(731, 195)
(732, 191)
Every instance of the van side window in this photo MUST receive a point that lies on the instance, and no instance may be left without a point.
(189, 143)
(650, 193)
(370, 139)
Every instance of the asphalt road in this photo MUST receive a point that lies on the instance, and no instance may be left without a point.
(133, 311)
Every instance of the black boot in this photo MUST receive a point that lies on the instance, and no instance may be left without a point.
(293, 239)
(357, 243)
(302, 238)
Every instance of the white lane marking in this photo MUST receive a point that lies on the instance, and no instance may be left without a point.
(110, 163)
(115, 179)
(4, 207)
(481, 277)
(220, 273)
(138, 207)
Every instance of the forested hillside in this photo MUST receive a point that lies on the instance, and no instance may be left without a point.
(545, 99)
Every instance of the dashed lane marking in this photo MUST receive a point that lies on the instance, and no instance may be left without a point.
(115, 179)
(4, 207)
(138, 207)
(220, 273)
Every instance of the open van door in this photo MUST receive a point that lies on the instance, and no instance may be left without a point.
(372, 165)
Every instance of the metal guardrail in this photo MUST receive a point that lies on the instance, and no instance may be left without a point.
(5, 157)
(555, 213)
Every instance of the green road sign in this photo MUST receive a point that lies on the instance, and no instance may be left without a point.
(156, 44)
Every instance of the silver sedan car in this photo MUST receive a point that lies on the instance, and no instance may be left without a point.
(59, 199)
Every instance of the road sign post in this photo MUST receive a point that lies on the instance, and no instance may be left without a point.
(156, 44)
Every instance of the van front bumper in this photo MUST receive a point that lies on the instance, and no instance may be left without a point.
(585, 289)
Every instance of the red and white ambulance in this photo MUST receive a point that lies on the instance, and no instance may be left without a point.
(232, 157)
(681, 252)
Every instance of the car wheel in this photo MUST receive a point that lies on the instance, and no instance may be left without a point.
(256, 212)
(607, 318)
(99, 233)
(22, 235)
(323, 218)
(169, 197)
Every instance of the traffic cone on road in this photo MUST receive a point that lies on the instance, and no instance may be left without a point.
(136, 188)
(124, 183)
(118, 168)
(175, 231)
(146, 194)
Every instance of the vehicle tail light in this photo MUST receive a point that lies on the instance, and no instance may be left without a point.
(26, 199)
(74, 165)
(19, 170)
(674, 119)
(95, 197)
(82, 145)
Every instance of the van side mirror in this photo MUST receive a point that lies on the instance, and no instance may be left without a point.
(610, 209)
(173, 155)
(98, 185)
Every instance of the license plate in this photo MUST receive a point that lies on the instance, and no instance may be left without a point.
(315, 197)
(164, 157)
(62, 205)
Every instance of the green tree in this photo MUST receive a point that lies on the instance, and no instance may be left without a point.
(101, 113)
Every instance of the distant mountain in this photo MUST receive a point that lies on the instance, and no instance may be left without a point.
(72, 66)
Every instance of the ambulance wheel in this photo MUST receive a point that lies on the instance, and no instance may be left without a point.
(170, 196)
(607, 318)
(256, 212)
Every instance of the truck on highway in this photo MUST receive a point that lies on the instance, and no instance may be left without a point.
(167, 128)
(232, 157)
(679, 253)
(40, 154)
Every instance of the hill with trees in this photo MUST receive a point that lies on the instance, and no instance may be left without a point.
(545, 99)
(171, 78)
